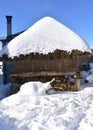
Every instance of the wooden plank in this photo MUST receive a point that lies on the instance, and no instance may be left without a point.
(44, 73)
(46, 65)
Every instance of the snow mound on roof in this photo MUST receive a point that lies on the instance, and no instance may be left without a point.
(45, 36)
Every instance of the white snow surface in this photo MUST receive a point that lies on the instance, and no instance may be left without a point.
(45, 36)
(63, 111)
(32, 109)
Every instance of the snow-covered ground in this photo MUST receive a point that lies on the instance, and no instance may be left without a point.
(32, 109)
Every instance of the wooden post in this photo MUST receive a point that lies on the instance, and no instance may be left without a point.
(4, 73)
(77, 81)
(77, 84)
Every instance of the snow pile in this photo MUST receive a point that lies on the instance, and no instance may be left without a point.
(34, 88)
(91, 68)
(45, 36)
(90, 78)
(89, 74)
(65, 111)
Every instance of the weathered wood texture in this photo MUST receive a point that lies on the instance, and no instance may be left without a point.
(62, 65)
(42, 70)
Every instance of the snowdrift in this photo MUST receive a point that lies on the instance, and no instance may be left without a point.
(65, 111)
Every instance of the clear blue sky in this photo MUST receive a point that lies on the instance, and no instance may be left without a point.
(76, 14)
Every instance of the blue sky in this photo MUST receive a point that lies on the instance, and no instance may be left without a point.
(76, 14)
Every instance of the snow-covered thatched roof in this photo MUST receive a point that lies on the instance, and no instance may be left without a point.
(45, 36)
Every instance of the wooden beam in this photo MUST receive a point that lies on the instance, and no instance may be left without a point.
(43, 73)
